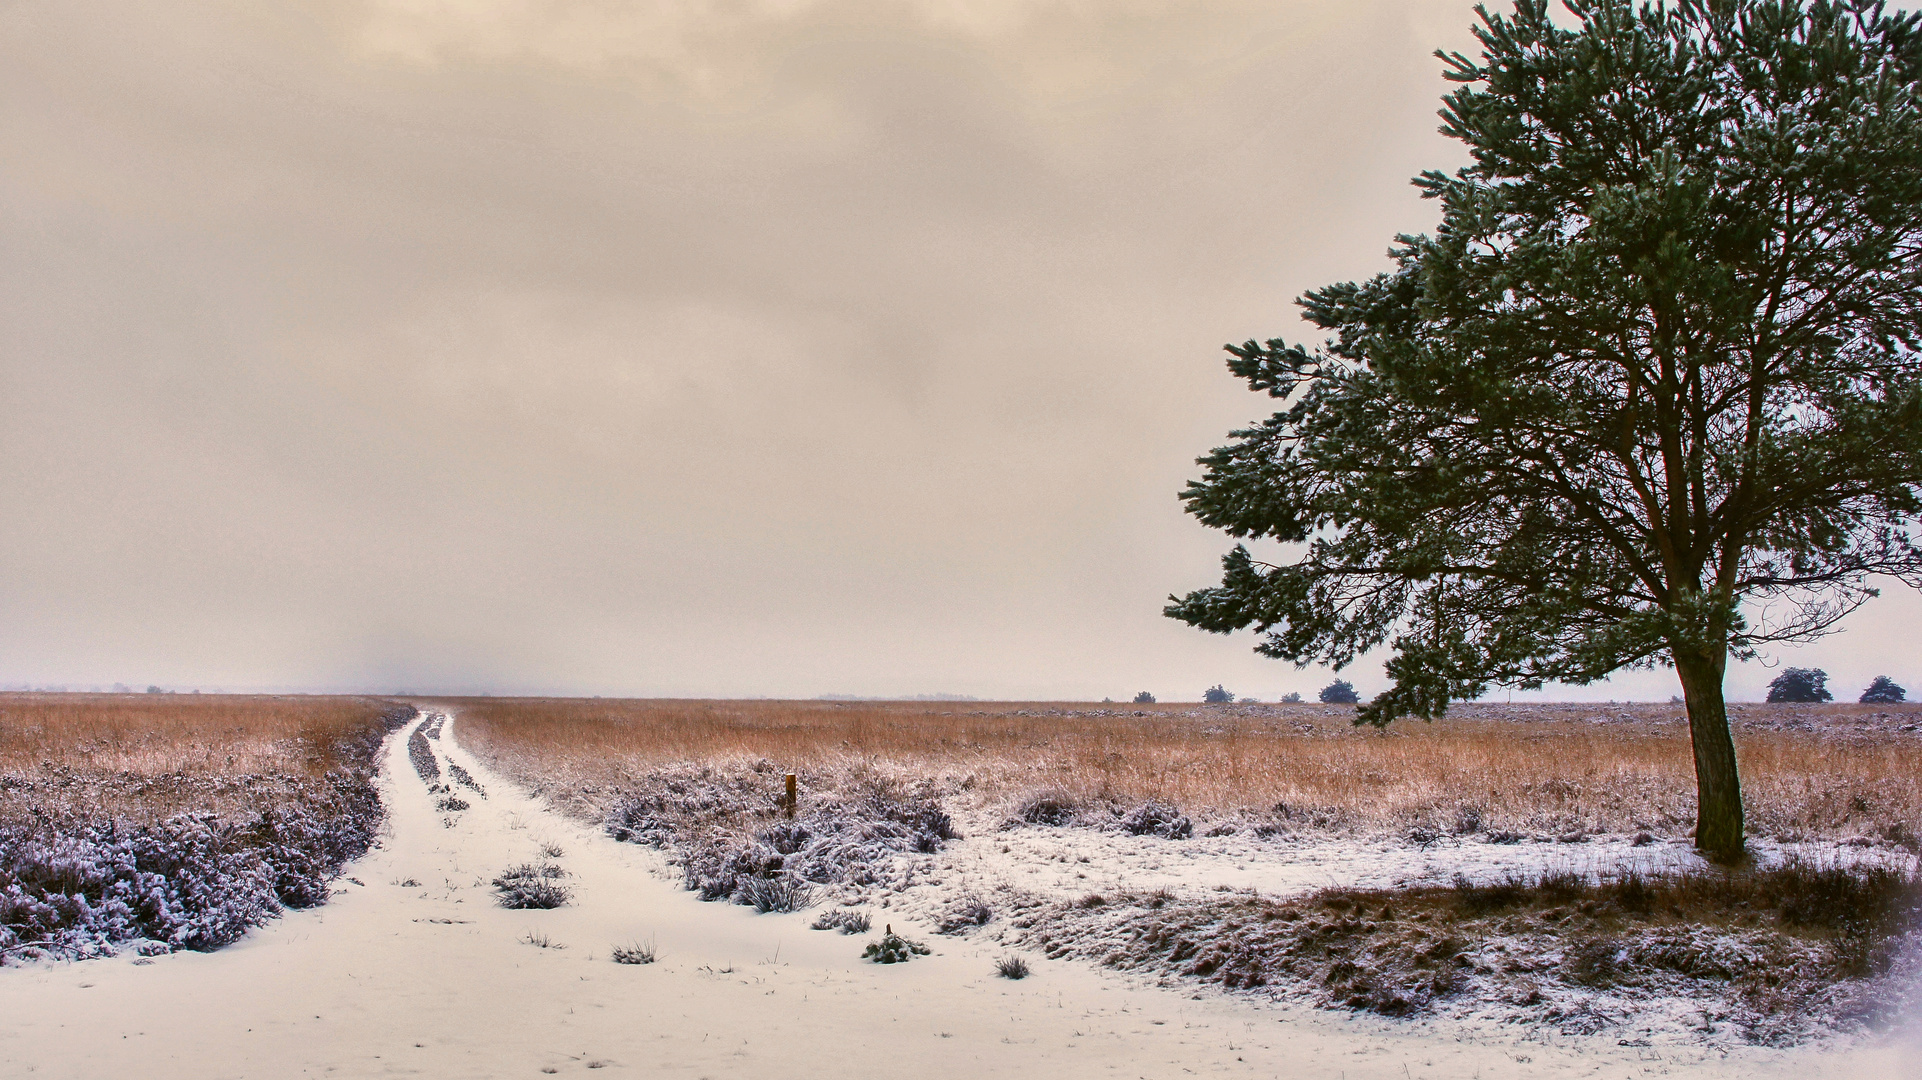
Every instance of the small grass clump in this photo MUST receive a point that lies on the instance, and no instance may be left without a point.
(846, 920)
(531, 886)
(1012, 967)
(639, 952)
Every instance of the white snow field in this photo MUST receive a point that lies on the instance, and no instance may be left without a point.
(436, 980)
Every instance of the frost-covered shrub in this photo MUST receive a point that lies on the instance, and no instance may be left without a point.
(1048, 808)
(893, 949)
(970, 914)
(846, 920)
(1012, 967)
(422, 755)
(717, 827)
(777, 894)
(1159, 819)
(532, 886)
(465, 779)
(451, 803)
(78, 889)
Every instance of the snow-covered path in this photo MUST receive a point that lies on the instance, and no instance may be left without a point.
(434, 979)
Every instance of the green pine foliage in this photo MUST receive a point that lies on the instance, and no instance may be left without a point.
(1648, 395)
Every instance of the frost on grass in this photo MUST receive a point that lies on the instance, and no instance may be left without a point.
(77, 888)
(846, 920)
(970, 913)
(726, 832)
(532, 886)
(1780, 955)
(465, 779)
(892, 948)
(422, 755)
(639, 952)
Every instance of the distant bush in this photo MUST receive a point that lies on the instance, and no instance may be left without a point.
(1801, 685)
(1144, 698)
(1159, 819)
(1218, 695)
(1339, 692)
(1883, 691)
(1291, 698)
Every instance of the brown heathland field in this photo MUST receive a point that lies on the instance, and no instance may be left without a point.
(1809, 771)
(141, 758)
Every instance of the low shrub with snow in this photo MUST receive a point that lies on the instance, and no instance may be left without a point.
(725, 832)
(846, 920)
(1158, 819)
(465, 779)
(892, 948)
(1782, 953)
(79, 888)
(969, 914)
(422, 755)
(535, 886)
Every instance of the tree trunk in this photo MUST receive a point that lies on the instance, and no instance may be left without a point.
(1718, 788)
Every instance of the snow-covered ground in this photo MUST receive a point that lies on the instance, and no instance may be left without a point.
(434, 979)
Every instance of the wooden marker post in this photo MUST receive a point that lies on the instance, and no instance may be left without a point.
(792, 796)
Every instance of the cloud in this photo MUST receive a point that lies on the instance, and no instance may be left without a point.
(753, 348)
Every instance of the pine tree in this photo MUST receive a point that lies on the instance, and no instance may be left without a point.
(1883, 691)
(1801, 685)
(1657, 363)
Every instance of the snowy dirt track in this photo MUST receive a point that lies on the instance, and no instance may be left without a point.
(435, 979)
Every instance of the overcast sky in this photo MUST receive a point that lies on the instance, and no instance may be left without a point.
(765, 347)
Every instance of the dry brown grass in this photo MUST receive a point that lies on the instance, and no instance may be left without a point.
(144, 757)
(1810, 771)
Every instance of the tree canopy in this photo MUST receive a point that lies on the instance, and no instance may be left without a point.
(1807, 685)
(1648, 395)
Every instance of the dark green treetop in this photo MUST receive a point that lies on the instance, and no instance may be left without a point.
(1648, 395)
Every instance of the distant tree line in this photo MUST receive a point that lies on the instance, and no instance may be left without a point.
(1811, 685)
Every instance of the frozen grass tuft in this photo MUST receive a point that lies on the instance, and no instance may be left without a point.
(465, 779)
(777, 894)
(532, 886)
(639, 952)
(540, 940)
(971, 913)
(846, 920)
(1012, 967)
